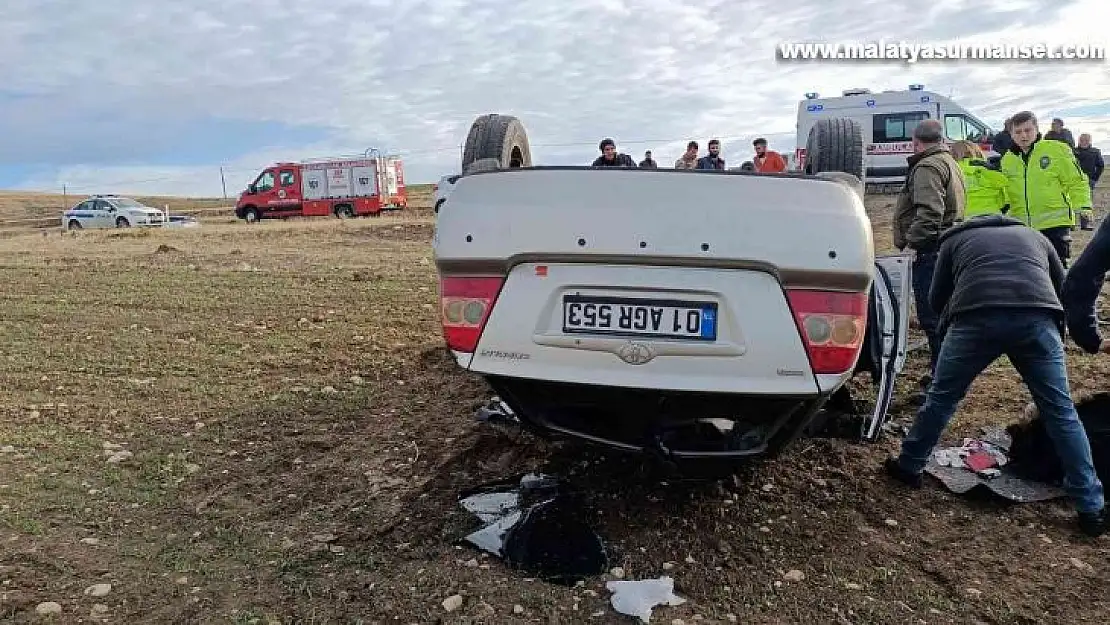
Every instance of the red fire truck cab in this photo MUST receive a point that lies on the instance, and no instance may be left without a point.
(343, 188)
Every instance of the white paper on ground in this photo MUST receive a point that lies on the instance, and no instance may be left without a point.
(637, 598)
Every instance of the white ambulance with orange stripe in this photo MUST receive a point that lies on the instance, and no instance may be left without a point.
(888, 119)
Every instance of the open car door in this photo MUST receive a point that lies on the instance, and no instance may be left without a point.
(885, 345)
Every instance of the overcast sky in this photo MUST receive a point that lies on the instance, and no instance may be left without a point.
(136, 96)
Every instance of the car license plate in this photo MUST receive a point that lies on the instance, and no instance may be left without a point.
(673, 319)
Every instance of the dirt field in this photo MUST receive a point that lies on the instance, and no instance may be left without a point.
(296, 439)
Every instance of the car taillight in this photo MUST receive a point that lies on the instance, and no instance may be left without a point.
(832, 324)
(464, 306)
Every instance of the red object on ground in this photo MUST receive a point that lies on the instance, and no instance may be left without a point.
(980, 461)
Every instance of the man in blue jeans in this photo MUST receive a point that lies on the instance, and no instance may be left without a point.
(998, 283)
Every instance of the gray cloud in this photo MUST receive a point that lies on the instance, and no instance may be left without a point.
(411, 75)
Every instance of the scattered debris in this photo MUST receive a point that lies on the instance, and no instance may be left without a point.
(973, 454)
(1081, 565)
(536, 527)
(119, 456)
(496, 411)
(48, 608)
(638, 598)
(98, 590)
(452, 603)
(984, 462)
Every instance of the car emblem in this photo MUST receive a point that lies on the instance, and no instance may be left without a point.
(636, 353)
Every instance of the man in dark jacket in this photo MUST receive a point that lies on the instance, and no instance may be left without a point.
(713, 160)
(1002, 141)
(648, 162)
(1090, 160)
(1059, 133)
(997, 282)
(1081, 289)
(610, 157)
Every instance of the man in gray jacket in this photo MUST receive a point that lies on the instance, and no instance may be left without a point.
(997, 287)
(931, 201)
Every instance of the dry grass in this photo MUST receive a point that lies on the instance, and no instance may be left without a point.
(299, 438)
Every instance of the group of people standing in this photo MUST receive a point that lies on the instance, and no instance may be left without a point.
(990, 245)
(764, 160)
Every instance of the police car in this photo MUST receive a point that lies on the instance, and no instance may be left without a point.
(111, 211)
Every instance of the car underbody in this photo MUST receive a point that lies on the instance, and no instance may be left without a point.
(679, 426)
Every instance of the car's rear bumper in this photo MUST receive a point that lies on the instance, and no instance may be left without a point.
(675, 425)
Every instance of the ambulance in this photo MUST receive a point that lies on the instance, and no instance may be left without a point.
(888, 119)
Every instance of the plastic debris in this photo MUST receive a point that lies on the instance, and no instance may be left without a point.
(638, 598)
(955, 468)
(536, 527)
(496, 411)
(973, 454)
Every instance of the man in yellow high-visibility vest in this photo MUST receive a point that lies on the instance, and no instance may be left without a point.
(1047, 187)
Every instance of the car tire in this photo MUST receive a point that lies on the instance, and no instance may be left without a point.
(73, 225)
(482, 164)
(251, 215)
(498, 137)
(835, 145)
(121, 222)
(344, 212)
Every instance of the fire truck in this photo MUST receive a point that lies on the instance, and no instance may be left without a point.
(344, 188)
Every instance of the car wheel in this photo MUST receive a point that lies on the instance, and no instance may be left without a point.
(344, 212)
(498, 137)
(121, 222)
(73, 225)
(250, 215)
(835, 145)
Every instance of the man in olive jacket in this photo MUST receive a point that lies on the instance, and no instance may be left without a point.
(932, 199)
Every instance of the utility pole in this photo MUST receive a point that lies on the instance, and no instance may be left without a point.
(222, 183)
(65, 196)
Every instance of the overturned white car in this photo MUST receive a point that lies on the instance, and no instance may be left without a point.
(692, 314)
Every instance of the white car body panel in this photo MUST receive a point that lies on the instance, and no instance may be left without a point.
(758, 348)
(786, 223)
(729, 237)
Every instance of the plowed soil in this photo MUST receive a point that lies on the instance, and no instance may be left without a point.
(297, 437)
